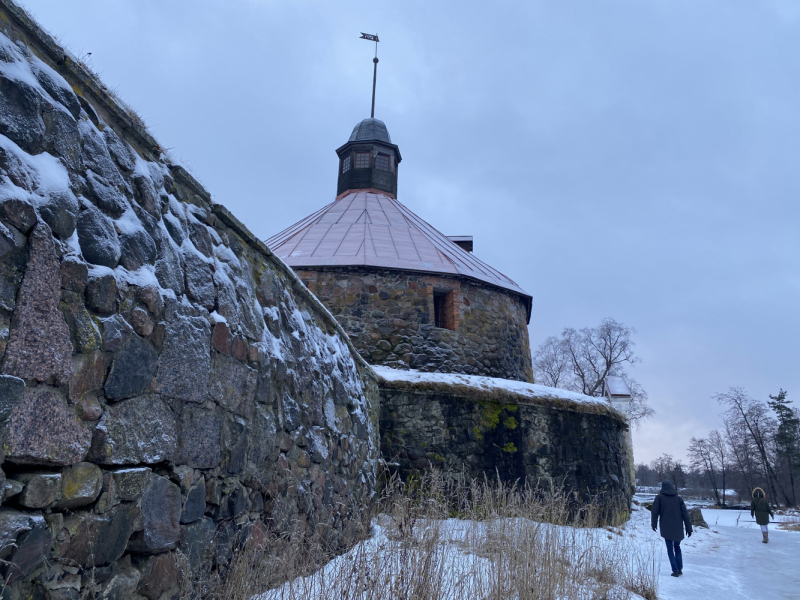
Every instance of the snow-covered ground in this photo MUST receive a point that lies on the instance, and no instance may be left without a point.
(728, 560)
(725, 561)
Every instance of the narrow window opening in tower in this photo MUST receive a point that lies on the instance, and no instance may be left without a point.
(382, 162)
(362, 160)
(346, 165)
(439, 310)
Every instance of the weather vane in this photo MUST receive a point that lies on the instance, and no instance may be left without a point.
(373, 38)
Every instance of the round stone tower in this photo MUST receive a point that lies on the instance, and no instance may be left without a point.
(409, 296)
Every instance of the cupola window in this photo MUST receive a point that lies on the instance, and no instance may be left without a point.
(346, 165)
(362, 160)
(382, 162)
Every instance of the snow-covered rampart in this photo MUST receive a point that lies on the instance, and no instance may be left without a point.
(501, 390)
(511, 429)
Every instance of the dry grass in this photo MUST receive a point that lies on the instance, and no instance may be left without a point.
(443, 539)
(790, 524)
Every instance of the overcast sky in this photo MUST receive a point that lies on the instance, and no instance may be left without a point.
(633, 159)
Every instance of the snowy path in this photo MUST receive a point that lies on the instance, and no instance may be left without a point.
(729, 561)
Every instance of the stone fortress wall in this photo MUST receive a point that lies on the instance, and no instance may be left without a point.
(165, 382)
(389, 316)
(463, 428)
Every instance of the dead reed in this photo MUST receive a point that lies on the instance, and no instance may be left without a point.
(441, 538)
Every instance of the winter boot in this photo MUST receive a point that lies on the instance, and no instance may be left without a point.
(766, 537)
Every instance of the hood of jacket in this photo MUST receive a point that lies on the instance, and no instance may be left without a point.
(668, 489)
(758, 493)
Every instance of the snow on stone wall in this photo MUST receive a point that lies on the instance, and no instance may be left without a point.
(508, 429)
(164, 380)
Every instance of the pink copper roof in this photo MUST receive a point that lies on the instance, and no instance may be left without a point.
(375, 230)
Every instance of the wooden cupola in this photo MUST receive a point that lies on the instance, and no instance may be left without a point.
(369, 160)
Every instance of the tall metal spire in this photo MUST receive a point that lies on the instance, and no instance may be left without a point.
(373, 38)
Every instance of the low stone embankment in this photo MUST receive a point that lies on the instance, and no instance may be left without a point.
(167, 387)
(511, 429)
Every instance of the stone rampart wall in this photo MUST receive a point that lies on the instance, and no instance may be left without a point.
(389, 316)
(165, 383)
(581, 448)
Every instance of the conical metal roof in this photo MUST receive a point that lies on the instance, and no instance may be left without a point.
(373, 229)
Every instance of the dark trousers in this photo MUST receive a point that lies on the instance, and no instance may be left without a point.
(675, 556)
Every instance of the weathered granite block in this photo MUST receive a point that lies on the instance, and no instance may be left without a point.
(98, 237)
(12, 391)
(199, 437)
(185, 361)
(42, 490)
(80, 485)
(233, 384)
(101, 293)
(133, 367)
(160, 576)
(19, 213)
(24, 544)
(44, 430)
(92, 540)
(135, 431)
(161, 512)
(130, 484)
(84, 333)
(88, 372)
(194, 506)
(39, 346)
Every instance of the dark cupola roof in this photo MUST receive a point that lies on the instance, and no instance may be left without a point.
(369, 160)
(370, 130)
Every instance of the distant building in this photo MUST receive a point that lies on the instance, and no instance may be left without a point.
(408, 296)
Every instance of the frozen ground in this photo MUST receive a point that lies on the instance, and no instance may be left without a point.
(727, 561)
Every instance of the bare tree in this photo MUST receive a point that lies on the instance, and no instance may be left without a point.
(719, 456)
(551, 364)
(702, 458)
(761, 428)
(580, 360)
(595, 352)
(742, 450)
(669, 468)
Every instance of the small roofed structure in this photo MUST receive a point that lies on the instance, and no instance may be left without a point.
(368, 160)
(462, 241)
(618, 393)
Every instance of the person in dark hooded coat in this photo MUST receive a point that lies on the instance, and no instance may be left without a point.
(761, 510)
(670, 510)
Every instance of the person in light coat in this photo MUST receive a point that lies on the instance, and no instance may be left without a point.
(670, 510)
(761, 510)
